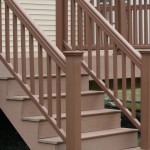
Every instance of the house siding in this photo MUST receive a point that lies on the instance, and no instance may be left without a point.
(43, 12)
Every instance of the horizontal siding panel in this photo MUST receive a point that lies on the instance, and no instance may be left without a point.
(44, 14)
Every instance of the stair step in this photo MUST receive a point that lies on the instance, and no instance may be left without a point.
(15, 89)
(135, 148)
(102, 140)
(93, 120)
(5, 72)
(90, 100)
(83, 114)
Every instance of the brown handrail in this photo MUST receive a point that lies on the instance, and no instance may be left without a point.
(38, 34)
(36, 94)
(109, 30)
(118, 43)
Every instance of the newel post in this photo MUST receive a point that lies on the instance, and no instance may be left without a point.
(73, 104)
(120, 17)
(145, 101)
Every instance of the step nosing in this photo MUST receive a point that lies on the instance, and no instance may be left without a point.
(37, 76)
(83, 114)
(107, 133)
(91, 135)
(25, 97)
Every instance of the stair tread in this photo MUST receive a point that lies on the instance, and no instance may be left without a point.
(90, 135)
(83, 113)
(135, 148)
(37, 76)
(25, 97)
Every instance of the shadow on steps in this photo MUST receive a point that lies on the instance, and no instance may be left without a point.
(9, 137)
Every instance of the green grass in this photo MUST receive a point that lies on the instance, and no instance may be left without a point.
(109, 102)
(128, 92)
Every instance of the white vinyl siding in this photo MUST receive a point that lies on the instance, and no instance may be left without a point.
(44, 13)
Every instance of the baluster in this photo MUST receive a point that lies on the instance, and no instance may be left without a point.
(145, 23)
(129, 22)
(73, 24)
(135, 22)
(104, 8)
(49, 85)
(89, 33)
(115, 70)
(40, 65)
(92, 26)
(110, 14)
(124, 79)
(140, 24)
(104, 14)
(0, 26)
(65, 20)
(85, 28)
(7, 33)
(149, 25)
(99, 9)
(98, 52)
(133, 87)
(58, 95)
(31, 56)
(15, 43)
(23, 53)
(106, 60)
(80, 28)
(98, 5)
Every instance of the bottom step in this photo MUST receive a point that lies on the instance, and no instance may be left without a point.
(113, 139)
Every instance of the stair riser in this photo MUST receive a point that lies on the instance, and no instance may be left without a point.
(27, 130)
(5, 72)
(115, 142)
(15, 89)
(88, 102)
(88, 123)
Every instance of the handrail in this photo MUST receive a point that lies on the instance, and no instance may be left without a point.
(50, 48)
(119, 46)
(108, 29)
(53, 55)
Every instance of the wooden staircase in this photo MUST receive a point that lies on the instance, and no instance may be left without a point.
(47, 87)
(100, 127)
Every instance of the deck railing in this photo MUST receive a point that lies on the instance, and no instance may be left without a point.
(90, 31)
(23, 45)
(28, 42)
(129, 17)
(111, 43)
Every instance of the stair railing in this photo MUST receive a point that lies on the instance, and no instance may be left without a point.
(106, 68)
(104, 62)
(25, 42)
(21, 43)
(129, 17)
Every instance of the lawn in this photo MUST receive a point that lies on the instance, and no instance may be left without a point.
(110, 103)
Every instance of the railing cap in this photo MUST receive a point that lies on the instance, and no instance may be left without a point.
(73, 53)
(145, 51)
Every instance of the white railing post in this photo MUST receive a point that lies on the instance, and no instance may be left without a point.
(73, 100)
(145, 100)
